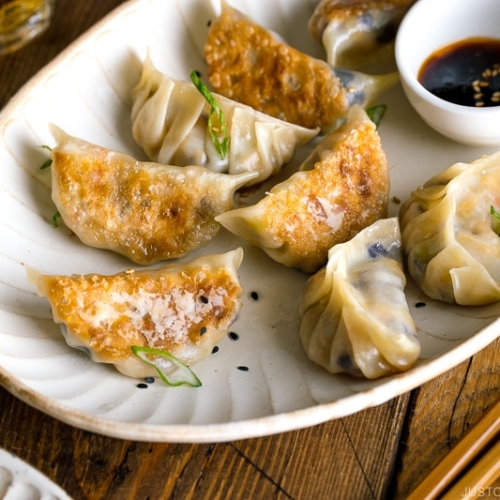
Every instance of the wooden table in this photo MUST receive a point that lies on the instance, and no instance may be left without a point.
(383, 452)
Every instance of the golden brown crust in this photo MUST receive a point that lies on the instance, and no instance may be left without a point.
(162, 309)
(143, 217)
(146, 211)
(271, 76)
(351, 183)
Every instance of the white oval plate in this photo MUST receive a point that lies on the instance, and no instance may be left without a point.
(21, 481)
(86, 91)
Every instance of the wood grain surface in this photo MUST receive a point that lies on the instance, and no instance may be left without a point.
(379, 453)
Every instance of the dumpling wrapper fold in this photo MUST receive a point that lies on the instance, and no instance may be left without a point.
(341, 188)
(170, 119)
(450, 237)
(354, 314)
(357, 32)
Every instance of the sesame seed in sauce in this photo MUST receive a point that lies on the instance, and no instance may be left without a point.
(447, 72)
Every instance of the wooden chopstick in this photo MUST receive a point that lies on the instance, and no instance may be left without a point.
(462, 454)
(476, 481)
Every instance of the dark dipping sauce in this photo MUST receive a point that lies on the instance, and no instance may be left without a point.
(466, 72)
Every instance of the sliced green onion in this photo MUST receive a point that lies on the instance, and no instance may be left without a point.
(376, 113)
(46, 164)
(183, 376)
(55, 218)
(221, 145)
(495, 214)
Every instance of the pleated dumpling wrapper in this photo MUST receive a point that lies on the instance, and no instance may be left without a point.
(171, 122)
(143, 210)
(149, 322)
(250, 64)
(354, 314)
(357, 32)
(341, 188)
(451, 233)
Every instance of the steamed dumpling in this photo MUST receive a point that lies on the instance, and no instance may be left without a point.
(251, 65)
(170, 119)
(341, 188)
(357, 32)
(183, 309)
(354, 314)
(143, 210)
(451, 240)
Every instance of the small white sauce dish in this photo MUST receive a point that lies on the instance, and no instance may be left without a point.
(431, 25)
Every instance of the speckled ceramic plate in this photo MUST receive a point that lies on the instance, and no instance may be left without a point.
(20, 481)
(86, 91)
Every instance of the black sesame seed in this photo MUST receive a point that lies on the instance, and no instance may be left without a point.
(243, 368)
(420, 304)
(215, 349)
(198, 73)
(234, 336)
(254, 295)
(203, 330)
(209, 23)
(149, 380)
(142, 386)
(204, 299)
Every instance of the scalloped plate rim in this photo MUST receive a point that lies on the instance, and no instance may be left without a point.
(263, 426)
(25, 473)
(242, 429)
